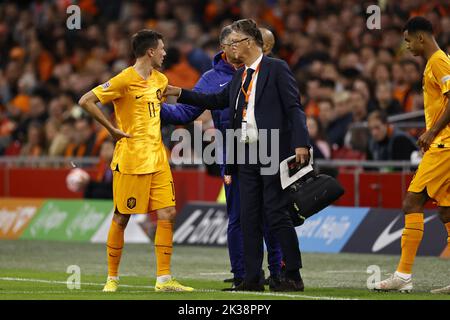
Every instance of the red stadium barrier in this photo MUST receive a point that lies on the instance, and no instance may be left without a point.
(348, 183)
(51, 183)
(3, 182)
(376, 190)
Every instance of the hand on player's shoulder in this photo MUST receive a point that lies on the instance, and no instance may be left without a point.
(172, 91)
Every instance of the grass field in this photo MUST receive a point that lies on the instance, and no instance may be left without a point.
(37, 270)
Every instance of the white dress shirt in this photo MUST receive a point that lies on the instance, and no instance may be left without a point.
(252, 129)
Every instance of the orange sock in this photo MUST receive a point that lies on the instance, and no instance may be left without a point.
(114, 247)
(163, 246)
(446, 253)
(411, 238)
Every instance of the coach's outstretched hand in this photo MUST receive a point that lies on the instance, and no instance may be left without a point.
(118, 134)
(172, 91)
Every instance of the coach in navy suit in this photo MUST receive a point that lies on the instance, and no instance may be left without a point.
(261, 95)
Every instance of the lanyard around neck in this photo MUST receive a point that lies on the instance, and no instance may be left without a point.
(249, 90)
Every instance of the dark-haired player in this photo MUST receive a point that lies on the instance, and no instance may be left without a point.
(432, 178)
(142, 180)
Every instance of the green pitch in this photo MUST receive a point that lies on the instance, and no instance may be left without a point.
(37, 270)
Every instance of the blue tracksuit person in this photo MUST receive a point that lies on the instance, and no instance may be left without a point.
(210, 82)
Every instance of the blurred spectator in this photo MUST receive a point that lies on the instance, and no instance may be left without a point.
(386, 142)
(357, 136)
(190, 47)
(381, 73)
(51, 131)
(386, 55)
(337, 129)
(411, 71)
(84, 139)
(364, 87)
(358, 105)
(7, 127)
(44, 66)
(386, 100)
(100, 187)
(321, 148)
(313, 94)
(25, 85)
(400, 86)
(34, 146)
(268, 40)
(178, 71)
(326, 113)
(412, 75)
(36, 113)
(259, 11)
(327, 88)
(416, 96)
(55, 111)
(59, 143)
(67, 99)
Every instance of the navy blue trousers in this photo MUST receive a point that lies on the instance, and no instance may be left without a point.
(263, 200)
(235, 240)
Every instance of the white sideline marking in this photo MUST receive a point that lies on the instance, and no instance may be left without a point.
(151, 287)
(215, 274)
(62, 292)
(65, 282)
(290, 295)
(345, 271)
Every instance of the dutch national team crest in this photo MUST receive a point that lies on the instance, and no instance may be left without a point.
(131, 203)
(159, 94)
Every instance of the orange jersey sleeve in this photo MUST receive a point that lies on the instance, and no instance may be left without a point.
(111, 90)
(441, 70)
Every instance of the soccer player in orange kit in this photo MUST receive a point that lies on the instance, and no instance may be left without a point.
(432, 178)
(142, 180)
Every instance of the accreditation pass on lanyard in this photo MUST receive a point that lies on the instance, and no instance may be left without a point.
(244, 133)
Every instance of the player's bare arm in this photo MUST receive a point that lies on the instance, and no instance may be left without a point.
(427, 138)
(88, 102)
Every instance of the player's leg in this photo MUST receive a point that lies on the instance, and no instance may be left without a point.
(130, 195)
(163, 249)
(412, 235)
(114, 246)
(115, 241)
(163, 242)
(162, 200)
(444, 215)
(413, 232)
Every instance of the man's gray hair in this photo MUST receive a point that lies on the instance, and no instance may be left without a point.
(226, 31)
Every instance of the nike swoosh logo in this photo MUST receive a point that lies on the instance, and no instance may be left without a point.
(387, 237)
(223, 84)
(137, 97)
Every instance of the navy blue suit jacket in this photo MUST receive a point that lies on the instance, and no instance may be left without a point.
(277, 104)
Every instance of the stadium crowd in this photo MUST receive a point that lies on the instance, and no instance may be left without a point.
(345, 70)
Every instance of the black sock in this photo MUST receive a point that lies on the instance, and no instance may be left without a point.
(293, 275)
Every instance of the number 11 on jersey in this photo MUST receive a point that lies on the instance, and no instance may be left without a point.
(151, 108)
